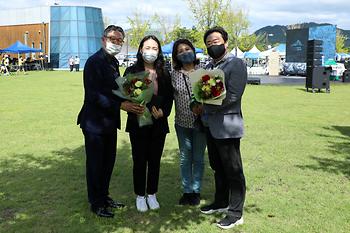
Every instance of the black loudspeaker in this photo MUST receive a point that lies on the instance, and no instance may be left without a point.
(346, 76)
(314, 53)
(317, 78)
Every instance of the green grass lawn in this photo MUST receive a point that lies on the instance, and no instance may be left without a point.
(296, 156)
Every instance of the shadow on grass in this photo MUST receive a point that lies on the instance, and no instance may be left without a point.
(47, 193)
(339, 146)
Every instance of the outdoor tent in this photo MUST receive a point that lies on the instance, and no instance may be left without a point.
(168, 48)
(237, 52)
(18, 48)
(253, 53)
(330, 62)
(281, 49)
(341, 56)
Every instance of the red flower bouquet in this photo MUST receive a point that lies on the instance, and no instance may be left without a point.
(137, 88)
(208, 86)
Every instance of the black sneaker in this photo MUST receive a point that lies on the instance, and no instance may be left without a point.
(185, 199)
(229, 222)
(213, 208)
(195, 199)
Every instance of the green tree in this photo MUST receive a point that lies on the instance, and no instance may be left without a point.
(193, 35)
(139, 28)
(166, 26)
(236, 23)
(207, 13)
(340, 43)
(210, 13)
(246, 42)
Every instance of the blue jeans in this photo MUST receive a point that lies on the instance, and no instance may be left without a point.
(192, 145)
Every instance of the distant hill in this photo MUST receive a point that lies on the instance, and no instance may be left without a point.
(279, 32)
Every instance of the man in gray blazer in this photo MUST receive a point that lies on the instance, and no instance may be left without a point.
(224, 126)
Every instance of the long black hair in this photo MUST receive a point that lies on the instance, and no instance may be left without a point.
(177, 64)
(158, 63)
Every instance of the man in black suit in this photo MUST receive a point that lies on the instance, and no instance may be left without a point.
(99, 119)
(225, 128)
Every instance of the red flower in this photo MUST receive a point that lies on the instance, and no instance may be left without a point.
(220, 85)
(148, 81)
(215, 92)
(205, 78)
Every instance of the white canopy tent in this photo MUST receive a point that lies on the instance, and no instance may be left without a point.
(281, 49)
(254, 50)
(237, 52)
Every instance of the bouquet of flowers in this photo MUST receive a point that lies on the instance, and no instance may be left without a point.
(137, 88)
(208, 86)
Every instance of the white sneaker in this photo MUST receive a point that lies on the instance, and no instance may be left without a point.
(152, 202)
(141, 204)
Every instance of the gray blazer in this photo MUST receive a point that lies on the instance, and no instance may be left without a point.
(226, 121)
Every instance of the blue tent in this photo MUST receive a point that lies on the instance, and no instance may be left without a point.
(251, 55)
(18, 47)
(341, 56)
(168, 48)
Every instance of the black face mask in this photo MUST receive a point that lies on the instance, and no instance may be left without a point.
(216, 51)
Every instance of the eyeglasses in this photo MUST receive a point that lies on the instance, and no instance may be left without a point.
(115, 39)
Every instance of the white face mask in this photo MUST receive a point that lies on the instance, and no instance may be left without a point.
(113, 49)
(150, 56)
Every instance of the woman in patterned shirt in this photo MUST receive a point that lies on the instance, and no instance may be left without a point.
(192, 141)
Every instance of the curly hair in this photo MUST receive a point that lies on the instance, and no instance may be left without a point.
(177, 64)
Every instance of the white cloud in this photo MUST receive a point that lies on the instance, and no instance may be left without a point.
(261, 13)
(271, 12)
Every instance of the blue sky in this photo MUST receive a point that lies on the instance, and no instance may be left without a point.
(260, 12)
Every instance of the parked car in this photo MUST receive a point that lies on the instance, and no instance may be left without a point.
(127, 61)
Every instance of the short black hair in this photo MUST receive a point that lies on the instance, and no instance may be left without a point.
(111, 28)
(218, 29)
(177, 64)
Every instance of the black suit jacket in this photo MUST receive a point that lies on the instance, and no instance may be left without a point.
(101, 109)
(163, 100)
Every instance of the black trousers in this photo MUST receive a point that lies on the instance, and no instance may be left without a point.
(71, 67)
(100, 152)
(76, 67)
(225, 160)
(147, 149)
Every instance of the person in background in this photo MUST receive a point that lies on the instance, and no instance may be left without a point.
(147, 142)
(7, 64)
(192, 141)
(76, 63)
(2, 66)
(21, 65)
(41, 58)
(224, 131)
(71, 63)
(99, 119)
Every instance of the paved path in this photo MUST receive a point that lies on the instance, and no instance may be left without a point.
(265, 79)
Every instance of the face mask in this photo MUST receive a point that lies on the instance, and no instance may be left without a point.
(113, 49)
(216, 51)
(186, 58)
(149, 56)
